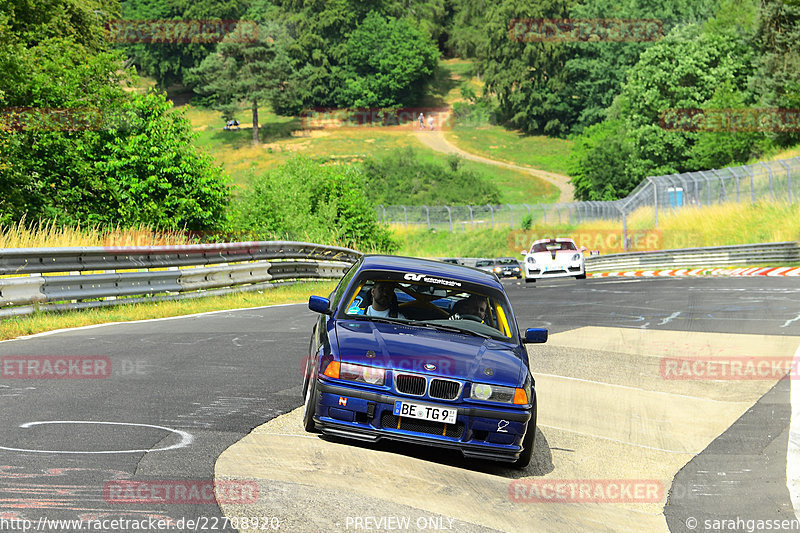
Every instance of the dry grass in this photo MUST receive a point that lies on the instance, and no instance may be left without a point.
(48, 234)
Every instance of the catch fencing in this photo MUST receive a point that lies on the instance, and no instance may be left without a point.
(82, 277)
(770, 180)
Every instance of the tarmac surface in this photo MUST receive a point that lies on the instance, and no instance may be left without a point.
(216, 396)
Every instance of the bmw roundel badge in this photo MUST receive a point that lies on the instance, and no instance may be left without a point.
(430, 366)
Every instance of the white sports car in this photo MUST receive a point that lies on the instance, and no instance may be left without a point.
(554, 258)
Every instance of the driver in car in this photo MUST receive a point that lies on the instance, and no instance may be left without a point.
(384, 302)
(475, 306)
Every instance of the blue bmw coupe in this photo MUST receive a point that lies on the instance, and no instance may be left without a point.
(424, 352)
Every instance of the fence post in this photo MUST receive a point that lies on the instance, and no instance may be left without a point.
(510, 215)
(788, 180)
(471, 218)
(655, 196)
(752, 184)
(428, 215)
(769, 170)
(449, 217)
(544, 213)
(405, 215)
(491, 210)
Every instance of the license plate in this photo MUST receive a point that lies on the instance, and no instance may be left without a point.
(446, 415)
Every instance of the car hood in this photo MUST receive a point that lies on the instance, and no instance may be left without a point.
(560, 255)
(410, 348)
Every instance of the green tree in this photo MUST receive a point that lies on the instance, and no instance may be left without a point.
(387, 63)
(149, 173)
(119, 158)
(683, 70)
(526, 76)
(169, 63)
(257, 72)
(778, 77)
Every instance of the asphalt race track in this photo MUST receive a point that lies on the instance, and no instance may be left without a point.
(216, 396)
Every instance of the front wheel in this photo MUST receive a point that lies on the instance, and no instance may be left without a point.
(310, 406)
(581, 276)
(527, 442)
(530, 280)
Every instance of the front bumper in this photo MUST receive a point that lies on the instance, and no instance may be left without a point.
(537, 271)
(479, 432)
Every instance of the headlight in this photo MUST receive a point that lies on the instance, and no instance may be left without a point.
(576, 257)
(530, 259)
(364, 374)
(498, 269)
(496, 393)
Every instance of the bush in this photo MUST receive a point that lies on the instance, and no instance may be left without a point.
(304, 200)
(403, 178)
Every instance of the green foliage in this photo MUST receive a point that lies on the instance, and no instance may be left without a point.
(123, 159)
(151, 174)
(307, 201)
(684, 70)
(467, 36)
(526, 76)
(778, 77)
(598, 162)
(721, 149)
(78, 21)
(387, 63)
(402, 178)
(169, 63)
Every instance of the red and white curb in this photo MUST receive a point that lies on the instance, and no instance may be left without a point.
(756, 271)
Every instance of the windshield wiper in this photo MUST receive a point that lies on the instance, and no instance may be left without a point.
(451, 329)
(381, 319)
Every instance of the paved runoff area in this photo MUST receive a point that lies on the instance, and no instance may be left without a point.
(621, 411)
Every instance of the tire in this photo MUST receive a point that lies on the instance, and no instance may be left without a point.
(530, 280)
(528, 442)
(581, 276)
(310, 406)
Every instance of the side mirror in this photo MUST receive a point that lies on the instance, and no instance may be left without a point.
(535, 335)
(318, 304)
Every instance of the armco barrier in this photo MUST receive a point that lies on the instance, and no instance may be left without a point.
(40, 278)
(718, 256)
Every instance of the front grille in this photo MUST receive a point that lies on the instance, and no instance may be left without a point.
(444, 389)
(409, 384)
(390, 421)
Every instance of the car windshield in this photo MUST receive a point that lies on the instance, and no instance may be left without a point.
(508, 261)
(553, 246)
(483, 313)
(484, 263)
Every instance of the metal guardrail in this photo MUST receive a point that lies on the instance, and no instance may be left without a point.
(68, 278)
(717, 256)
